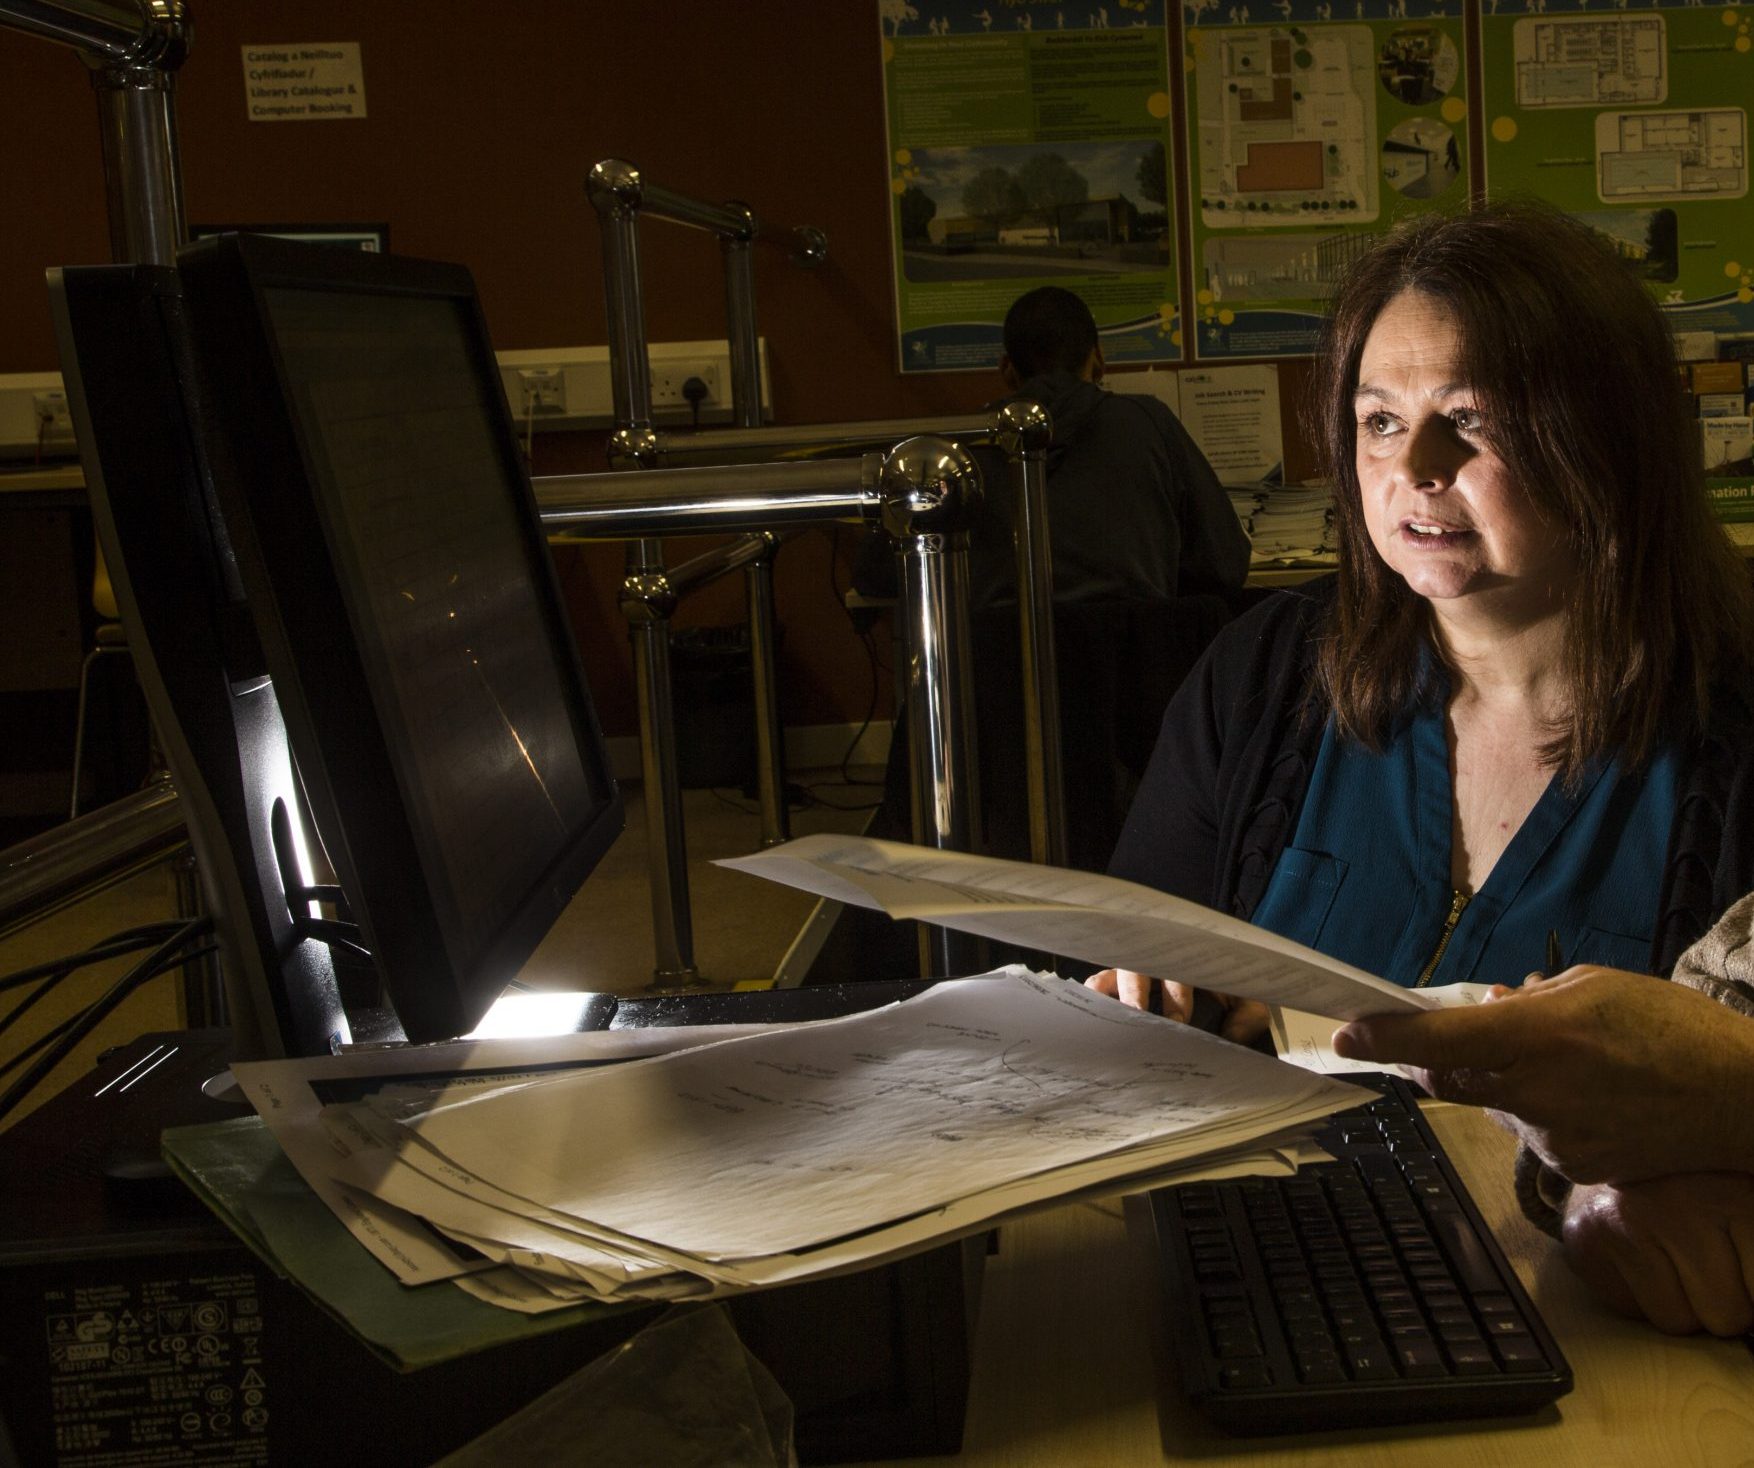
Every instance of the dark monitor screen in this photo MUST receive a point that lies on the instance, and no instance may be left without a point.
(396, 565)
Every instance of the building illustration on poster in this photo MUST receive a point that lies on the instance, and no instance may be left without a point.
(1029, 144)
(1636, 121)
(1310, 130)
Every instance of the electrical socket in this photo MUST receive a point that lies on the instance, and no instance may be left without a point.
(541, 390)
(668, 376)
(54, 418)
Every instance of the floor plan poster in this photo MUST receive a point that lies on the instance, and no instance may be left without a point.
(1028, 145)
(1312, 126)
(1636, 120)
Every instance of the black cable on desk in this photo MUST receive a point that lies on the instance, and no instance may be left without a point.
(161, 957)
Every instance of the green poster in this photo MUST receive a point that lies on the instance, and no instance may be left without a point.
(1313, 125)
(1028, 145)
(1635, 120)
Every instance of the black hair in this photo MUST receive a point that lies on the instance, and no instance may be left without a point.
(1049, 329)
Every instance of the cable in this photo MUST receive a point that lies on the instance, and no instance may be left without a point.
(149, 967)
(131, 940)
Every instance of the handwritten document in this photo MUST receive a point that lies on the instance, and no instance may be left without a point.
(1023, 1087)
(1100, 919)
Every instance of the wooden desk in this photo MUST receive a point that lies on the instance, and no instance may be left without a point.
(1063, 1373)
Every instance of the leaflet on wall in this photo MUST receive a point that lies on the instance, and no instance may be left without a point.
(1313, 125)
(1233, 414)
(1029, 144)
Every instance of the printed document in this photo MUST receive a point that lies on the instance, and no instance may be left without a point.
(1099, 919)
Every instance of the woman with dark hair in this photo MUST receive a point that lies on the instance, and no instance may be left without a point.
(1520, 709)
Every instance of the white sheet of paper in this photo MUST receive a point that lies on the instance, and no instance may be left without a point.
(859, 1121)
(1308, 1039)
(1083, 915)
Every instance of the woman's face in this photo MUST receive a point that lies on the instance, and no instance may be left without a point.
(1442, 508)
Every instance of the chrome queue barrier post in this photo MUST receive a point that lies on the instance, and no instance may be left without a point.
(745, 347)
(620, 195)
(133, 51)
(922, 489)
(929, 488)
(1024, 432)
(639, 505)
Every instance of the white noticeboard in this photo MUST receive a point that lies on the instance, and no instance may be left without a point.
(1233, 414)
(305, 81)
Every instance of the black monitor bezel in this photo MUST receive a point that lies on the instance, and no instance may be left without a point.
(270, 492)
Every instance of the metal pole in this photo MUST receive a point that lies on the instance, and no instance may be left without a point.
(928, 486)
(142, 176)
(770, 752)
(108, 30)
(1025, 433)
(745, 346)
(750, 497)
(615, 191)
(795, 441)
(83, 857)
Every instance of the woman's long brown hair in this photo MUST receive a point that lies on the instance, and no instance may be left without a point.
(1573, 364)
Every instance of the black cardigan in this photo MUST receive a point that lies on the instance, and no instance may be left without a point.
(1221, 796)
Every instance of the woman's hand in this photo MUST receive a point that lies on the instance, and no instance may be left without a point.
(1244, 1020)
(1677, 1251)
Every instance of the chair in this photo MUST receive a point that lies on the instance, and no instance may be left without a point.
(108, 638)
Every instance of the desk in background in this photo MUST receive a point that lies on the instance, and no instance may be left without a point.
(1063, 1372)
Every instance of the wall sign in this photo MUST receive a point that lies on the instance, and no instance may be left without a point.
(306, 81)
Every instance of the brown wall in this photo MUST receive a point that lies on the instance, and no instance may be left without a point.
(483, 122)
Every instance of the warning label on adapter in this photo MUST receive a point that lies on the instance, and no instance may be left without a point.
(150, 1374)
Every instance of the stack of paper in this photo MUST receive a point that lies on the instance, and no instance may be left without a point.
(1294, 523)
(757, 1156)
(807, 1149)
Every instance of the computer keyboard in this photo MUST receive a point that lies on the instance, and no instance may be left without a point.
(1358, 1292)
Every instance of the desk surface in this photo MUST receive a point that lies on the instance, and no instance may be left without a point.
(1063, 1374)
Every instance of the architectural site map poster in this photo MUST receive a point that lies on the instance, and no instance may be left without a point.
(1637, 122)
(1029, 144)
(1313, 125)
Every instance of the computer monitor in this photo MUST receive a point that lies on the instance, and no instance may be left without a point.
(136, 407)
(393, 559)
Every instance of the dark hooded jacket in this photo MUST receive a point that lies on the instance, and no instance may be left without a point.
(1135, 512)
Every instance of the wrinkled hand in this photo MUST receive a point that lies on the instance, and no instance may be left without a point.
(1612, 1076)
(1244, 1021)
(1677, 1251)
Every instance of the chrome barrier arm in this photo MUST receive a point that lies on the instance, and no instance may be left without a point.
(133, 51)
(733, 497)
(790, 442)
(620, 194)
(82, 857)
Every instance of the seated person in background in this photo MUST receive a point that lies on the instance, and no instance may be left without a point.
(1134, 510)
(1634, 1100)
(1148, 560)
(1520, 705)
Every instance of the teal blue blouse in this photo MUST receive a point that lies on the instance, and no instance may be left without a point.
(1366, 877)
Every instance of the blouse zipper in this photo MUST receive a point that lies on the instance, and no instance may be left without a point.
(1458, 900)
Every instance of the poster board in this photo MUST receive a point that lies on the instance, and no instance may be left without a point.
(1029, 144)
(1312, 127)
